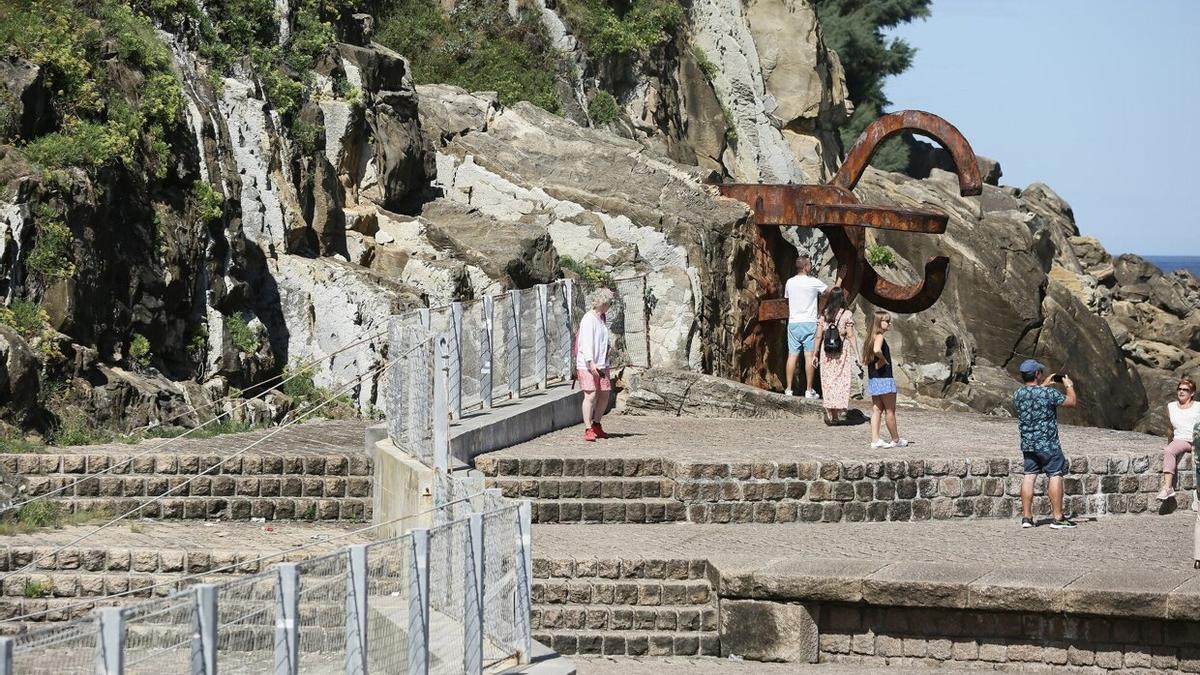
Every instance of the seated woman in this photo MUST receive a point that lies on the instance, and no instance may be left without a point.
(1184, 413)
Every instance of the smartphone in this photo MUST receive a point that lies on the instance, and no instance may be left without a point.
(1057, 377)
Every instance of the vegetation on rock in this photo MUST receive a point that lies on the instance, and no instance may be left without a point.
(33, 324)
(243, 336)
(590, 275)
(603, 108)
(476, 45)
(880, 255)
(139, 350)
(209, 203)
(854, 29)
(620, 27)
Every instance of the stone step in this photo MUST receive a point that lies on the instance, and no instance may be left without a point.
(183, 463)
(639, 592)
(616, 467)
(227, 508)
(329, 611)
(93, 586)
(608, 510)
(625, 617)
(584, 487)
(184, 485)
(631, 643)
(620, 568)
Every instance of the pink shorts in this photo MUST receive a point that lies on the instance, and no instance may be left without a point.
(587, 381)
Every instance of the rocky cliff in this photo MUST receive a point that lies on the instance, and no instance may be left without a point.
(261, 232)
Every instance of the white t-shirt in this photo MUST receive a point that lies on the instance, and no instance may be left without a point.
(801, 292)
(1183, 420)
(593, 342)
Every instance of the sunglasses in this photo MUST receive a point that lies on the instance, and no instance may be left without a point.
(1184, 390)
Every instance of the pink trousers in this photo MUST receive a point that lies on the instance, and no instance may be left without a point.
(1174, 451)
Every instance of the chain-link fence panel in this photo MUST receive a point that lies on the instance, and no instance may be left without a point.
(473, 335)
(505, 345)
(68, 649)
(389, 576)
(530, 315)
(322, 599)
(246, 624)
(447, 576)
(499, 584)
(410, 390)
(158, 635)
(561, 333)
(633, 327)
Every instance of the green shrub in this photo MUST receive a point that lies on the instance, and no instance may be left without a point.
(881, 256)
(634, 27)
(33, 324)
(51, 253)
(38, 589)
(74, 428)
(590, 275)
(477, 46)
(209, 203)
(730, 125)
(245, 338)
(603, 108)
(702, 61)
(307, 136)
(139, 350)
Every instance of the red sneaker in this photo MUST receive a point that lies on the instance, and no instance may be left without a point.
(599, 430)
(589, 434)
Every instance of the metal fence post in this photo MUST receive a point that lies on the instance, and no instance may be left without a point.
(424, 316)
(473, 596)
(110, 642)
(455, 379)
(512, 344)
(485, 353)
(524, 570)
(6, 656)
(356, 611)
(441, 413)
(287, 620)
(418, 604)
(540, 335)
(568, 329)
(204, 629)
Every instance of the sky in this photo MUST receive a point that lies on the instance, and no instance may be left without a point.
(1099, 99)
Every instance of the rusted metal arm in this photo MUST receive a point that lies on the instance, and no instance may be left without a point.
(927, 124)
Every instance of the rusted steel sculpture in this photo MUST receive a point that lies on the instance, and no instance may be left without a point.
(835, 210)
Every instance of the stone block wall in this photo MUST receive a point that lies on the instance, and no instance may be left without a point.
(919, 637)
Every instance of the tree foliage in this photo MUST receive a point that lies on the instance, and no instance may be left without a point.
(854, 29)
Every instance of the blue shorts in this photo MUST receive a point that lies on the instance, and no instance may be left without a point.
(801, 336)
(1050, 463)
(878, 386)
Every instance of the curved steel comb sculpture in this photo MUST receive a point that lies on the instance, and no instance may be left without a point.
(835, 210)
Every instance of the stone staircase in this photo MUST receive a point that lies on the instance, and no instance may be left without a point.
(634, 607)
(270, 486)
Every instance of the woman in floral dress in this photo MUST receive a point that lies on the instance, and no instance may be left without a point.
(836, 368)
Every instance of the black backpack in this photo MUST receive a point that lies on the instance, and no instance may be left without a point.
(831, 341)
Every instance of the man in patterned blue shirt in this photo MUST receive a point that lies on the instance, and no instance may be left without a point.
(1037, 404)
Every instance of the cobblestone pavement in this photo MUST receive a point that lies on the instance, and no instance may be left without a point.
(936, 435)
(1141, 542)
(317, 437)
(679, 665)
(266, 538)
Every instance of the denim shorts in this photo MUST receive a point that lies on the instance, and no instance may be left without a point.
(878, 386)
(801, 336)
(1050, 463)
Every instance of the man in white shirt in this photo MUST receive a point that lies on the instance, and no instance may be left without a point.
(802, 292)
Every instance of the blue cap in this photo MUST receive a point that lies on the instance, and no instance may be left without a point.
(1029, 366)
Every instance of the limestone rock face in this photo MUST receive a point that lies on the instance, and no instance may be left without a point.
(18, 376)
(603, 201)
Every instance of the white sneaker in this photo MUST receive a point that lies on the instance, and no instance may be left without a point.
(1196, 502)
(787, 392)
(879, 444)
(812, 393)
(900, 443)
(1165, 494)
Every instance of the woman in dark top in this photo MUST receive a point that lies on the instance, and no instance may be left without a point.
(877, 356)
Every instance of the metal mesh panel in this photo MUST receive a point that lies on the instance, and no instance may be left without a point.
(410, 394)
(561, 338)
(323, 609)
(504, 345)
(67, 649)
(246, 624)
(530, 310)
(472, 360)
(499, 584)
(389, 565)
(447, 574)
(634, 328)
(441, 323)
(158, 635)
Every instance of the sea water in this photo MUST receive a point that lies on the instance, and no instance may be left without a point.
(1170, 263)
